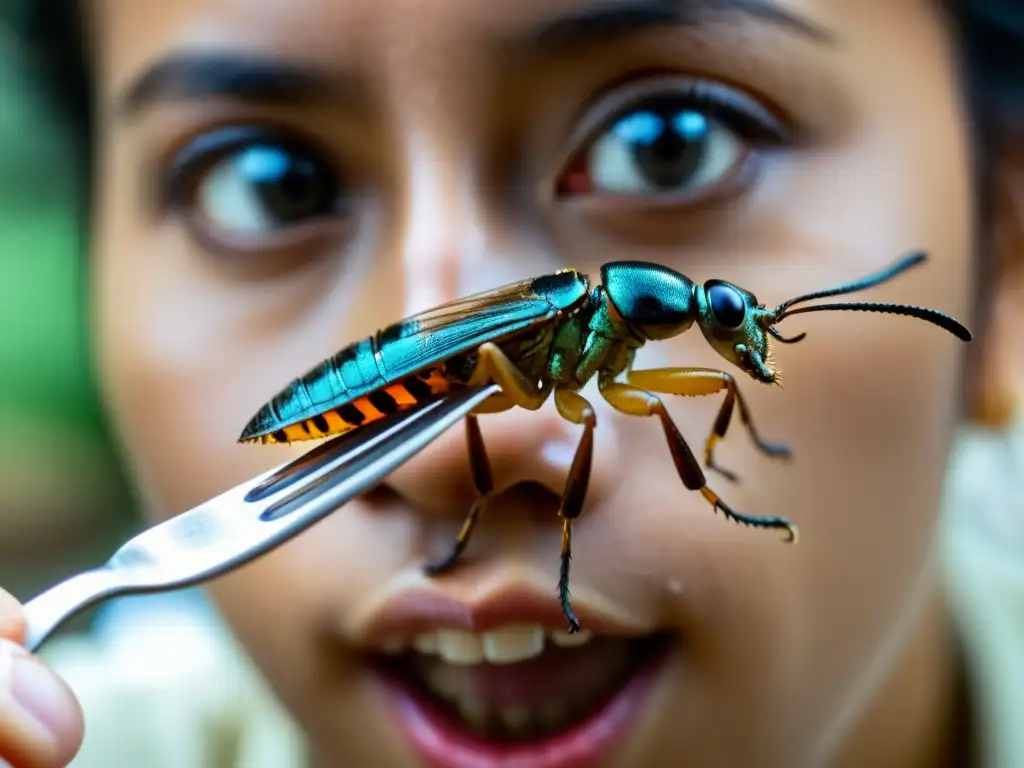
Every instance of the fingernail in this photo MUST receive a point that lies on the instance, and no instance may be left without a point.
(37, 690)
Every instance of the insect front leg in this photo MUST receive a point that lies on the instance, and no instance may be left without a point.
(634, 401)
(697, 382)
(575, 408)
(494, 366)
(483, 480)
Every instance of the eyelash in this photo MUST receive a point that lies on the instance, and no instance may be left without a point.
(206, 150)
(191, 174)
(756, 126)
(180, 183)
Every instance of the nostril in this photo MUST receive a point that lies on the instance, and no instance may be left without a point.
(530, 494)
(509, 518)
(381, 495)
(522, 447)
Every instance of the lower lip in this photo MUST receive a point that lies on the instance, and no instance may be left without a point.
(442, 742)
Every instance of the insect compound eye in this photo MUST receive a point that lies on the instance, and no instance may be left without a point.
(727, 305)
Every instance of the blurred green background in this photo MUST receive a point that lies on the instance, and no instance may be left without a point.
(63, 499)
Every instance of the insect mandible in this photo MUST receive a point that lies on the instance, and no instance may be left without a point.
(551, 335)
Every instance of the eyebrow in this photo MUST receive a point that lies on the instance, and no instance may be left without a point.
(255, 79)
(187, 76)
(619, 18)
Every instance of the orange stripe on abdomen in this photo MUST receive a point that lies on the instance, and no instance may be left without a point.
(393, 398)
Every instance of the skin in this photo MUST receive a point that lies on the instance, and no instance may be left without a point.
(794, 655)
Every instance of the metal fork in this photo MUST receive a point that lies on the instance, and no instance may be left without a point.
(253, 518)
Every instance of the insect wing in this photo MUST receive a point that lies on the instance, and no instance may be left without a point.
(461, 326)
(410, 346)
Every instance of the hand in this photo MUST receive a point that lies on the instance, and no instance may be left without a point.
(40, 720)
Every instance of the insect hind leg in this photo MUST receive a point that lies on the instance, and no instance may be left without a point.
(575, 408)
(634, 401)
(483, 480)
(696, 382)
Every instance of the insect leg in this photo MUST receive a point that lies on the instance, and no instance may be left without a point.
(634, 401)
(483, 480)
(493, 365)
(575, 408)
(695, 382)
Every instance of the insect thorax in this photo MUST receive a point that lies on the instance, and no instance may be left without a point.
(590, 342)
(567, 351)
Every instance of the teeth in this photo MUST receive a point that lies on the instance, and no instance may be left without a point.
(517, 720)
(393, 647)
(443, 665)
(553, 713)
(425, 643)
(565, 640)
(512, 644)
(474, 713)
(506, 645)
(443, 680)
(458, 647)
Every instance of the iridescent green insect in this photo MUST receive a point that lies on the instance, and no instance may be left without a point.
(551, 335)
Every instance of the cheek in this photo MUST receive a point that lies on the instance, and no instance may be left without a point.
(868, 409)
(176, 350)
(868, 404)
(179, 390)
(188, 351)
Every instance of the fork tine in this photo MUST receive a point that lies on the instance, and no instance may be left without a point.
(354, 472)
(339, 450)
(377, 460)
(233, 529)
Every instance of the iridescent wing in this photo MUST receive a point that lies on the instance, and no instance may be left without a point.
(399, 367)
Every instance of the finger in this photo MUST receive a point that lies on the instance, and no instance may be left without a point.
(12, 618)
(41, 723)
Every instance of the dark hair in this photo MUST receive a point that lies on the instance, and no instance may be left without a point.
(53, 35)
(988, 37)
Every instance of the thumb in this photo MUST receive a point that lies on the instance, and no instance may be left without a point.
(41, 723)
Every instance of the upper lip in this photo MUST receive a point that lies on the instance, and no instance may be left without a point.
(411, 610)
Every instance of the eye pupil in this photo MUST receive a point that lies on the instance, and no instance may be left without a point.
(666, 140)
(289, 187)
(727, 305)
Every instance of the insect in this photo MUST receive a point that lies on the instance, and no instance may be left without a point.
(550, 335)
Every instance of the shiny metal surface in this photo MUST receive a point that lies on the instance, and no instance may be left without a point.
(253, 518)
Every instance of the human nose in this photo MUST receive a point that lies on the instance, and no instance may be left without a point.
(521, 447)
(450, 241)
(450, 245)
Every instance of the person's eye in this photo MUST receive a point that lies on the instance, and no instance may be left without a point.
(669, 139)
(251, 184)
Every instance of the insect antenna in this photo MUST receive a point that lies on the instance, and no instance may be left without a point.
(935, 317)
(907, 262)
(922, 313)
(779, 337)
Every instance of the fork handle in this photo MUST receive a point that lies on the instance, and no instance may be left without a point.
(46, 612)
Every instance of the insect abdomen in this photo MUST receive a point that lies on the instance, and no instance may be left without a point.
(398, 396)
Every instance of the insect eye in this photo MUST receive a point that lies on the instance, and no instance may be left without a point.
(246, 182)
(727, 305)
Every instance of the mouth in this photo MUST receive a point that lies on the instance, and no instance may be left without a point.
(522, 692)
(760, 369)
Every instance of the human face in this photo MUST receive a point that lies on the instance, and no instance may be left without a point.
(435, 149)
